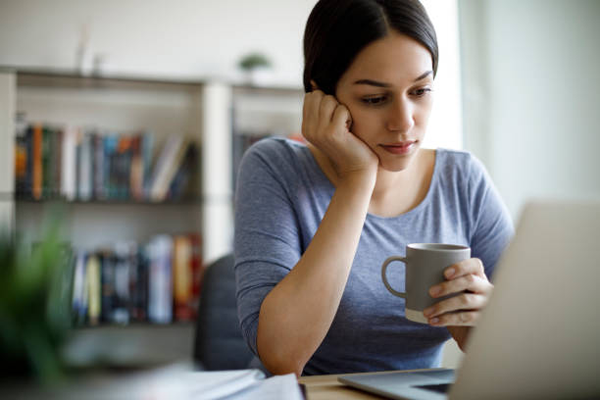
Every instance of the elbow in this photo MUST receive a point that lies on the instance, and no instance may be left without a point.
(280, 361)
(283, 367)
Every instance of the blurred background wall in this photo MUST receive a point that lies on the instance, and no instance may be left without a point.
(189, 38)
(531, 95)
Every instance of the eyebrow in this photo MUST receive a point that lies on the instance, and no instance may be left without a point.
(387, 85)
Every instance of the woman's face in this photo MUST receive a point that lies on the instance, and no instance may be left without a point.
(388, 91)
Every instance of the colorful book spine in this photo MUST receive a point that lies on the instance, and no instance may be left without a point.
(120, 312)
(160, 301)
(197, 272)
(93, 284)
(80, 298)
(37, 179)
(98, 160)
(182, 277)
(160, 282)
(68, 170)
(56, 162)
(85, 168)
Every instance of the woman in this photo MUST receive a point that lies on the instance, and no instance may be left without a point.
(314, 223)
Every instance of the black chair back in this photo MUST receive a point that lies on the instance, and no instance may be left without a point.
(219, 343)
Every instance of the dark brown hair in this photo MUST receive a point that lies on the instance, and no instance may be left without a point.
(337, 30)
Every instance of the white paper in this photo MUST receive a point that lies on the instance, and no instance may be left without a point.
(181, 383)
(274, 388)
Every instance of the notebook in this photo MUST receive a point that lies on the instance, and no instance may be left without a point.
(539, 336)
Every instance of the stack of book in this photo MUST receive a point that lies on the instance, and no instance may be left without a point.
(89, 164)
(159, 282)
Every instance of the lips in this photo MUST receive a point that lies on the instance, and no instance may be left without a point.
(400, 147)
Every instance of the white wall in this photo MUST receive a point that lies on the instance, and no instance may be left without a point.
(532, 94)
(191, 38)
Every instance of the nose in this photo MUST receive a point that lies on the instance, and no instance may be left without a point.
(400, 117)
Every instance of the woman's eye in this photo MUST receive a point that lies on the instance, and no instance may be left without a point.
(421, 92)
(374, 100)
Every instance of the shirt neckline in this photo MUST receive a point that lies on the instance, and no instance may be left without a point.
(426, 200)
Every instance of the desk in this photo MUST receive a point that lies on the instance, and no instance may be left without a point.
(327, 387)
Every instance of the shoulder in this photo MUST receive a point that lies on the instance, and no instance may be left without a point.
(274, 158)
(461, 165)
(458, 159)
(274, 151)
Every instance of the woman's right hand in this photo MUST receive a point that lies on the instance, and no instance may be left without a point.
(326, 125)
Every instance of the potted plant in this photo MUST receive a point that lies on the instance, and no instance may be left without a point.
(34, 307)
(254, 66)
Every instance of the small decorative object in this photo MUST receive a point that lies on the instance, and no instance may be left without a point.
(254, 65)
(34, 307)
(83, 55)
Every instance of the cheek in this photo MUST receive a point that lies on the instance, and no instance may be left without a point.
(364, 122)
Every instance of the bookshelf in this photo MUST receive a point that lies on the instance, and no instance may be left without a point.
(217, 117)
(117, 104)
(260, 112)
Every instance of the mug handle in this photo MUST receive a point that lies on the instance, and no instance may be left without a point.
(384, 278)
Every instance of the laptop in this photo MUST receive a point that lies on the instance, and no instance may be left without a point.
(539, 336)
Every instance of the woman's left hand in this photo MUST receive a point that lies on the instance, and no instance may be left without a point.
(460, 312)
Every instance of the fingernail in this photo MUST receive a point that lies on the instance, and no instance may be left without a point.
(428, 311)
(450, 272)
(434, 321)
(435, 291)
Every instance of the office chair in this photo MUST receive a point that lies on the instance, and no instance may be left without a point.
(219, 343)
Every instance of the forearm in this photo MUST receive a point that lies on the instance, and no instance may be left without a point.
(296, 315)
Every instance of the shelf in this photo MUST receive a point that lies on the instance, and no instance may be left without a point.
(111, 202)
(177, 325)
(69, 78)
(134, 345)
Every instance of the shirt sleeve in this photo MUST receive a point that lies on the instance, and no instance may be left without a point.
(266, 239)
(492, 227)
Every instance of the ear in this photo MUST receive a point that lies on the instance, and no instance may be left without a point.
(313, 85)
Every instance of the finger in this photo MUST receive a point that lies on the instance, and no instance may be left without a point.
(342, 117)
(462, 302)
(464, 318)
(310, 114)
(472, 283)
(465, 267)
(326, 109)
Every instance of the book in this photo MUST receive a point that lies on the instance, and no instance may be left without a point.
(37, 170)
(182, 277)
(110, 149)
(107, 273)
(181, 183)
(21, 163)
(99, 186)
(160, 285)
(136, 177)
(120, 311)
(85, 170)
(198, 270)
(57, 162)
(68, 170)
(93, 289)
(167, 164)
(138, 283)
(123, 166)
(147, 149)
(80, 297)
